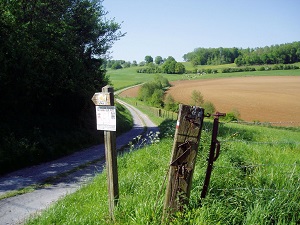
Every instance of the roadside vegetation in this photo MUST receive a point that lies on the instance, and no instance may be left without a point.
(255, 181)
(50, 68)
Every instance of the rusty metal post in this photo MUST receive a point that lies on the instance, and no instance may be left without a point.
(185, 149)
(213, 153)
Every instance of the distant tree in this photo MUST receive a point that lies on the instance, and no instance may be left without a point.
(134, 63)
(197, 98)
(126, 64)
(116, 66)
(179, 68)
(142, 63)
(148, 59)
(158, 60)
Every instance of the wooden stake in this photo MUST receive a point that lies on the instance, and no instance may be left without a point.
(185, 149)
(111, 161)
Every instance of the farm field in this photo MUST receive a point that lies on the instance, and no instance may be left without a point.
(259, 98)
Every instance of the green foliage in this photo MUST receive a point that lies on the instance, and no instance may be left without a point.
(158, 60)
(171, 66)
(212, 56)
(116, 66)
(209, 107)
(170, 104)
(234, 70)
(275, 54)
(197, 98)
(148, 59)
(152, 92)
(50, 56)
(233, 115)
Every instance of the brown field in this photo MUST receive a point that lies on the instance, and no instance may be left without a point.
(265, 99)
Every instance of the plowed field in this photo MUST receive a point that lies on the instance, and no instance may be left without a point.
(266, 99)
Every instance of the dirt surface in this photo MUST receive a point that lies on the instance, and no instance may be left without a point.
(264, 99)
(16, 210)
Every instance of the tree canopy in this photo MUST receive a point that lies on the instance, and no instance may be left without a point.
(51, 60)
(275, 54)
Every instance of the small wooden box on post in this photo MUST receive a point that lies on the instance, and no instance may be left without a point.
(106, 120)
(185, 149)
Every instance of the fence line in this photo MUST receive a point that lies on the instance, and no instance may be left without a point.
(252, 189)
(259, 165)
(261, 142)
(265, 123)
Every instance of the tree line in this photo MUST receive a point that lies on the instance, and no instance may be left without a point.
(276, 54)
(51, 64)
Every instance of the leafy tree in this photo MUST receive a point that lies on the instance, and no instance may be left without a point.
(148, 59)
(127, 64)
(158, 60)
(116, 65)
(134, 63)
(179, 68)
(51, 64)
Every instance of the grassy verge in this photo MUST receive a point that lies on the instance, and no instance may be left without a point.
(255, 181)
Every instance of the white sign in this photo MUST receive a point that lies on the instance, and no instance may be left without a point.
(106, 118)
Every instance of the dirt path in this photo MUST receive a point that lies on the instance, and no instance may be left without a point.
(16, 209)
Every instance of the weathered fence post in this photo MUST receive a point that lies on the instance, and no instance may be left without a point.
(106, 120)
(185, 149)
(213, 153)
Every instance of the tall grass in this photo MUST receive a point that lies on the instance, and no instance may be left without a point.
(255, 181)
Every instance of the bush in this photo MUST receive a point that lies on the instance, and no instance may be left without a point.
(209, 107)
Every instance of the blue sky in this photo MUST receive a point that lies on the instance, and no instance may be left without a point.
(176, 27)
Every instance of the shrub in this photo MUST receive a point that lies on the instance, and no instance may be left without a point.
(209, 107)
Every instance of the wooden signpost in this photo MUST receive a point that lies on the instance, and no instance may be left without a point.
(185, 149)
(106, 120)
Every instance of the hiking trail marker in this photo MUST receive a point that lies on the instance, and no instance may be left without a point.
(106, 120)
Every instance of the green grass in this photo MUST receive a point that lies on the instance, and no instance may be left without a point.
(123, 78)
(127, 77)
(255, 181)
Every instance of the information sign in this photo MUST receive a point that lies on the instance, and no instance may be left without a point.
(106, 118)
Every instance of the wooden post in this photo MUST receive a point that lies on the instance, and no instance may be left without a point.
(111, 160)
(106, 120)
(185, 149)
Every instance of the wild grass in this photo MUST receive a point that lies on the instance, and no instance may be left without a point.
(254, 181)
